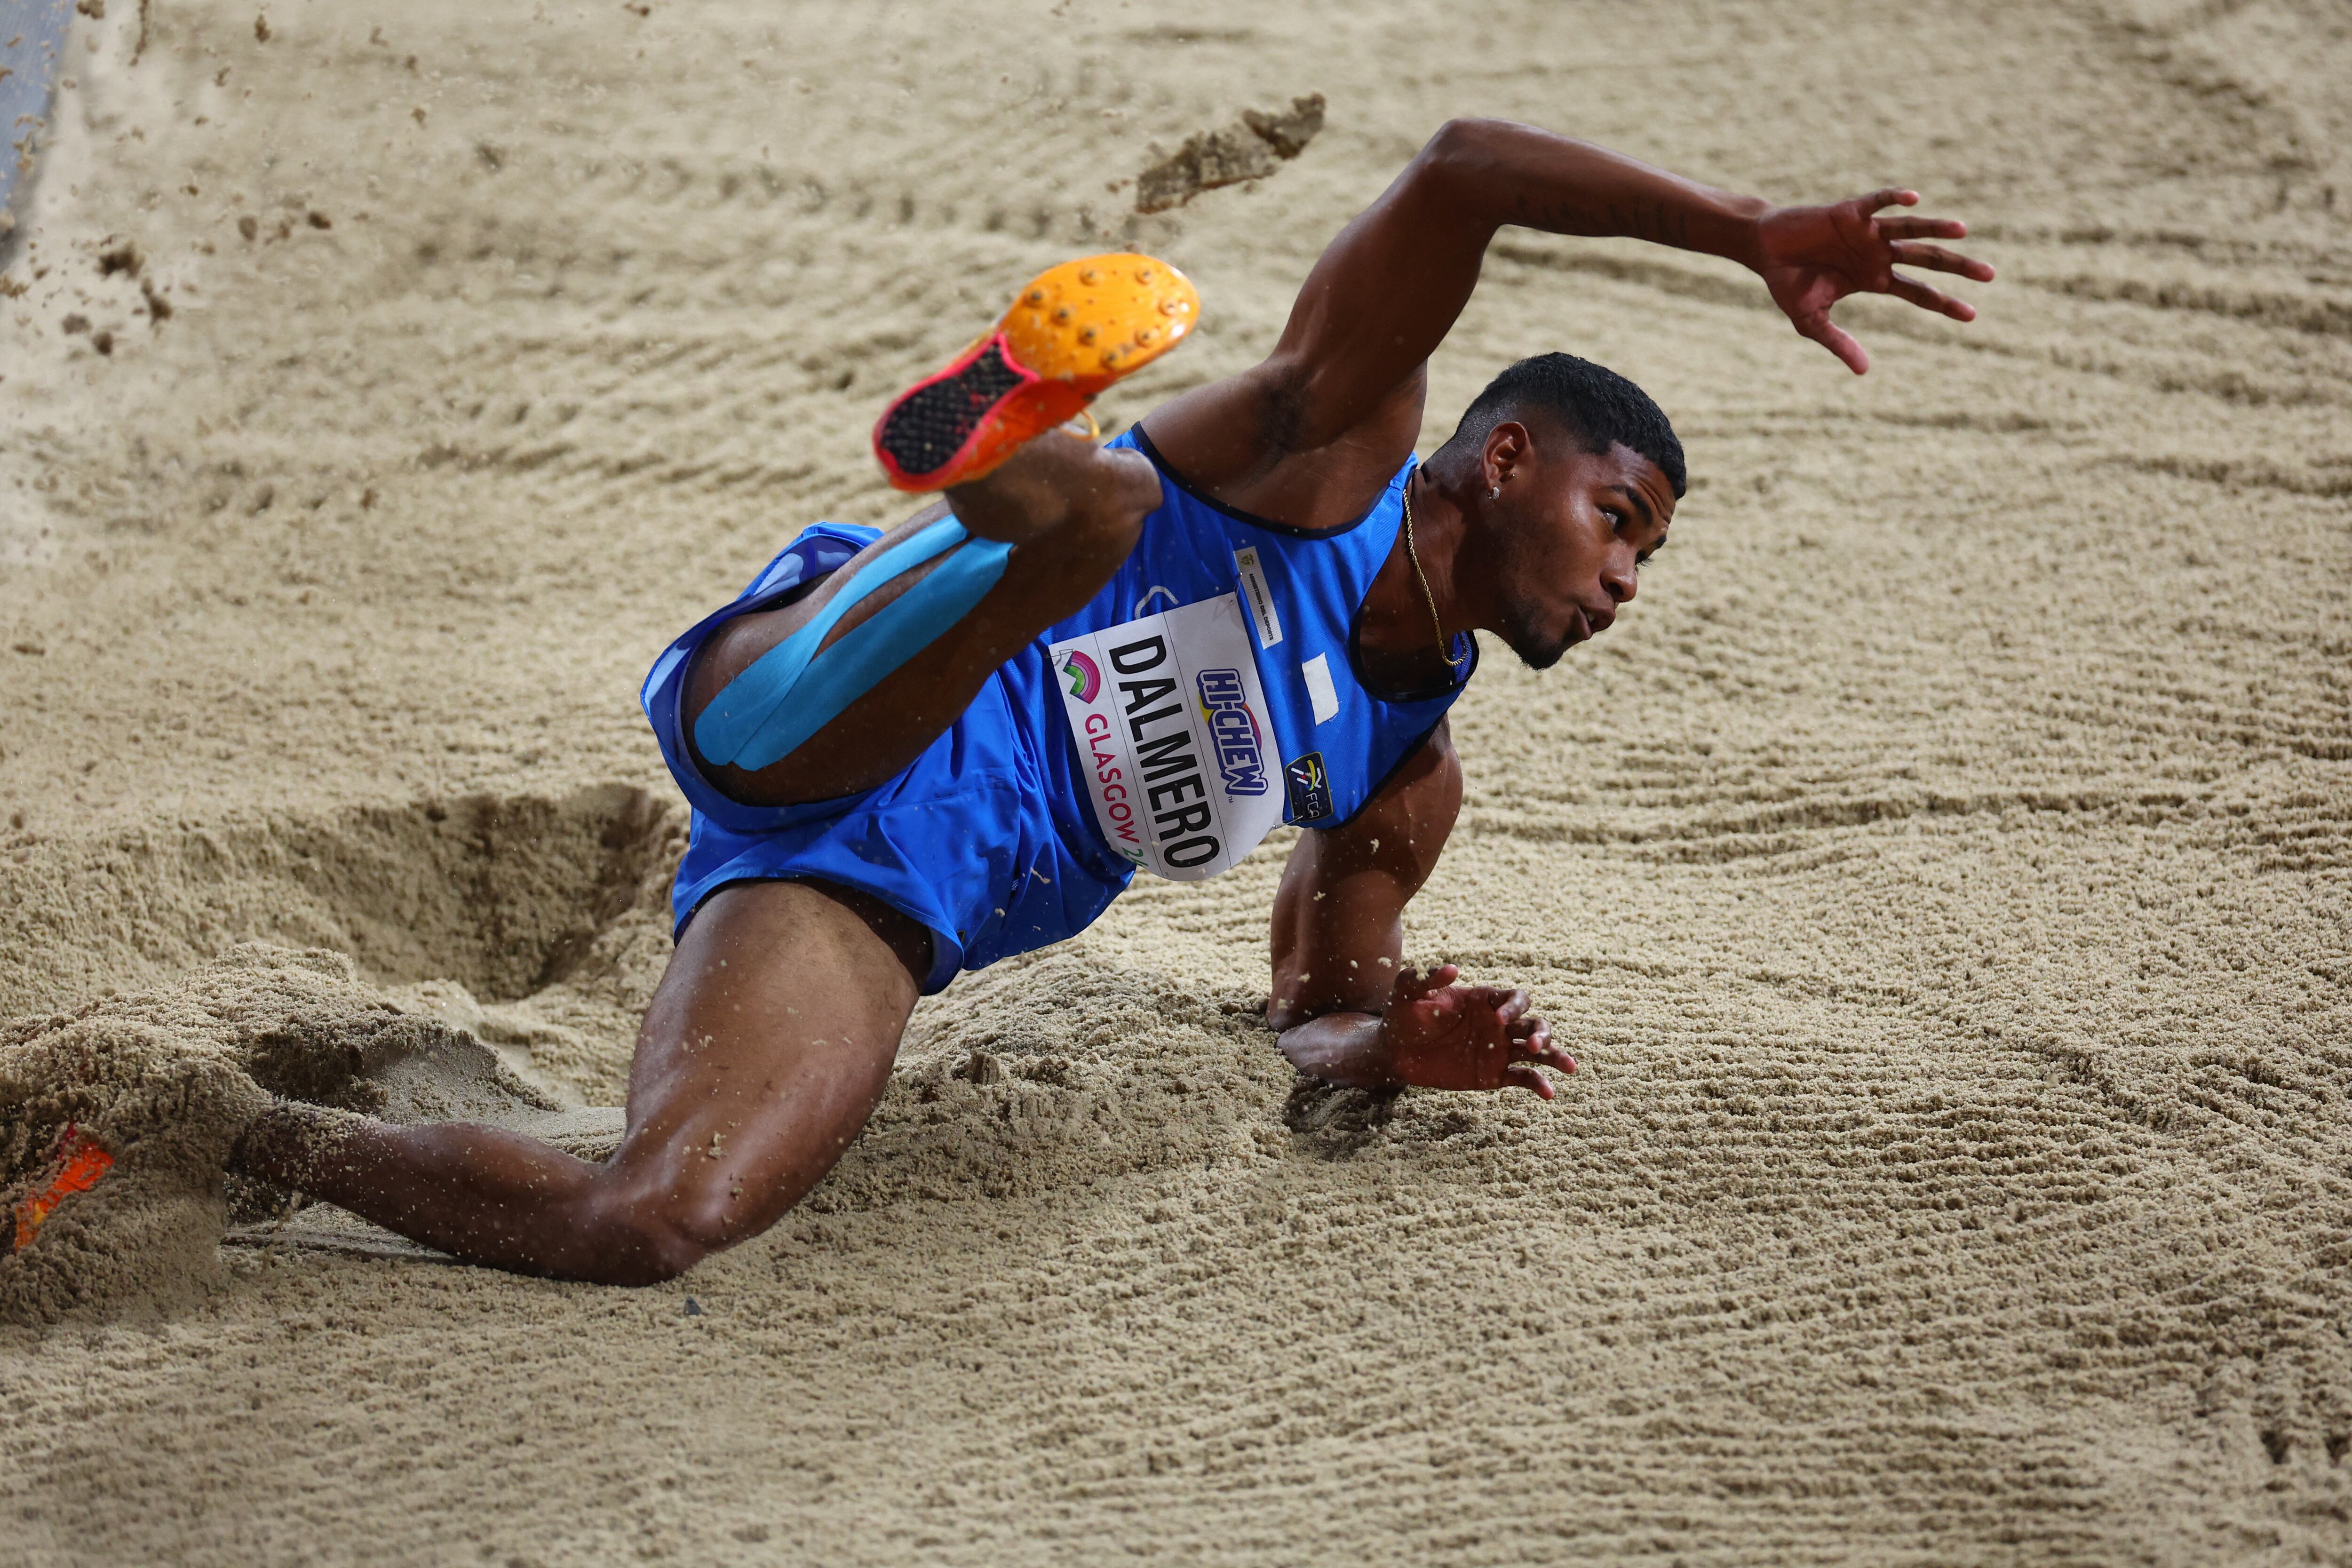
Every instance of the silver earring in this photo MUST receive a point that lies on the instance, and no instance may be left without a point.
(1494, 492)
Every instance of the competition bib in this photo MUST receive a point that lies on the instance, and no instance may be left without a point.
(1174, 734)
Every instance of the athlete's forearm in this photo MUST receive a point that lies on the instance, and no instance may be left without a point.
(1502, 173)
(1312, 936)
(1338, 916)
(1392, 284)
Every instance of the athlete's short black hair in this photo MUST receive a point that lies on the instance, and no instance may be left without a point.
(1594, 403)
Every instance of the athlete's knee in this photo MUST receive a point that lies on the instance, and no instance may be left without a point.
(655, 1230)
(1063, 489)
(1135, 481)
(1106, 514)
(656, 1257)
(1099, 533)
(707, 1213)
(635, 1244)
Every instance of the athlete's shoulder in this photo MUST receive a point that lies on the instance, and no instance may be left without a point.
(1186, 490)
(1226, 439)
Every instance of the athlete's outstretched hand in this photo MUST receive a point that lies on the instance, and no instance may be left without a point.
(1810, 258)
(1438, 1034)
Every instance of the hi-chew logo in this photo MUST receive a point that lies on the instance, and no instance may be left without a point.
(1084, 676)
(1233, 729)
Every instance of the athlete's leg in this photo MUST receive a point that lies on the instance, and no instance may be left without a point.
(771, 1036)
(765, 1050)
(840, 691)
(1071, 511)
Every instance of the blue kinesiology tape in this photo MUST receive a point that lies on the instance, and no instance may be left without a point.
(793, 690)
(733, 721)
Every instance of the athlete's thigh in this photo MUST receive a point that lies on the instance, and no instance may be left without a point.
(1046, 578)
(767, 1046)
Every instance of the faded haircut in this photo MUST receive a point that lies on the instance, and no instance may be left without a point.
(1600, 409)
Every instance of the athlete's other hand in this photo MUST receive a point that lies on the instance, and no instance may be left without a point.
(1810, 258)
(1439, 1035)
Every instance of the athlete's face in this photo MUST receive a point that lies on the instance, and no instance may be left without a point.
(1573, 528)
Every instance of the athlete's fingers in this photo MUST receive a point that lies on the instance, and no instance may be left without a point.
(1926, 299)
(1532, 1035)
(1900, 227)
(1909, 253)
(1834, 337)
(1556, 1057)
(1530, 1078)
(1512, 1007)
(1413, 985)
(1891, 197)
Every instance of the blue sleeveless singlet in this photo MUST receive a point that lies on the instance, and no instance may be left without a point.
(1206, 694)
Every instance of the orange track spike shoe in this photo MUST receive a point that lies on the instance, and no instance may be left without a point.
(76, 1167)
(1073, 332)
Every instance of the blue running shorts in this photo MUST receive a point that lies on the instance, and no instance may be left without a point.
(985, 839)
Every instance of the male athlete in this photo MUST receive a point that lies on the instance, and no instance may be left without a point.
(924, 751)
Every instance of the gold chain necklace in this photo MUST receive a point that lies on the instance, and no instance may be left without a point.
(1444, 648)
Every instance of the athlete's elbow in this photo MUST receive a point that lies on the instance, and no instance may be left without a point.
(1454, 166)
(1463, 145)
(1459, 136)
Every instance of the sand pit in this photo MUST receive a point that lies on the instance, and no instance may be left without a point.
(1941, 870)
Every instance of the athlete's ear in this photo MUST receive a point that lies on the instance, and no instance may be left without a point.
(1508, 447)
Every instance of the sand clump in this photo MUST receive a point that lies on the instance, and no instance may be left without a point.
(1251, 147)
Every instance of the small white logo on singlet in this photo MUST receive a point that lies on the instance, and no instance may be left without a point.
(1319, 690)
(1255, 594)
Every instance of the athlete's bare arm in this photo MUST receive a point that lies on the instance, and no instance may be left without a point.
(1346, 1007)
(1309, 436)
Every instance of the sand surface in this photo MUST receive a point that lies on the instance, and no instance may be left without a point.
(1941, 872)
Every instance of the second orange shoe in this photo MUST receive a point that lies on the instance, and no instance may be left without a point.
(76, 1167)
